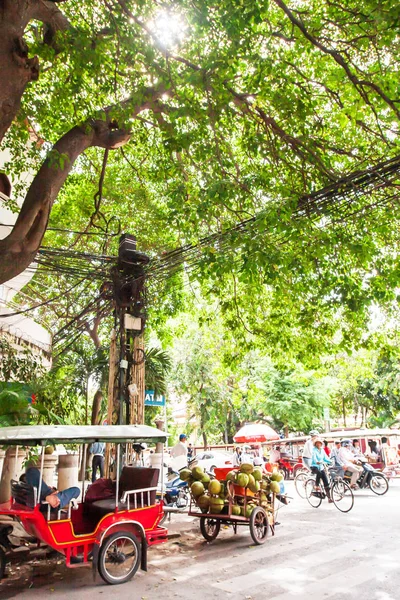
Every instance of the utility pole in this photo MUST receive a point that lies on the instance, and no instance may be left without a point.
(128, 288)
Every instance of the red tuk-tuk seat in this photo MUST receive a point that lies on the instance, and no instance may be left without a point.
(132, 478)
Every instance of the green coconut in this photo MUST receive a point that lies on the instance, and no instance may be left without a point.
(257, 474)
(223, 491)
(275, 487)
(249, 510)
(264, 484)
(251, 480)
(276, 477)
(185, 474)
(254, 486)
(198, 473)
(246, 468)
(242, 479)
(205, 479)
(235, 509)
(231, 476)
(214, 487)
(197, 489)
(216, 505)
(203, 502)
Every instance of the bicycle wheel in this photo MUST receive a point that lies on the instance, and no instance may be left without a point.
(314, 498)
(379, 484)
(342, 496)
(300, 483)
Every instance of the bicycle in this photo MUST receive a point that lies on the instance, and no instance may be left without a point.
(340, 492)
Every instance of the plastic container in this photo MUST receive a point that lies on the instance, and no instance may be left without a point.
(221, 472)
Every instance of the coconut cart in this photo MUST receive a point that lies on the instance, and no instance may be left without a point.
(236, 497)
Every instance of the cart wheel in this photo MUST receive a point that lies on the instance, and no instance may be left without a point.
(119, 557)
(259, 525)
(3, 561)
(209, 528)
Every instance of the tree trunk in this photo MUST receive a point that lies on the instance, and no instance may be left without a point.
(98, 397)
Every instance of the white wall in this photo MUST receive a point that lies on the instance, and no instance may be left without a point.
(23, 328)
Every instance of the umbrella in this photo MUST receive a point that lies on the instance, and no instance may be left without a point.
(255, 433)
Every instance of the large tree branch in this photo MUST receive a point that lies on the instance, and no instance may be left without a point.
(19, 248)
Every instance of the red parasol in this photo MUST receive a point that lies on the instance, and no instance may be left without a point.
(255, 433)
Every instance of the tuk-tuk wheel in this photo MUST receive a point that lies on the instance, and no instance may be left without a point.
(259, 525)
(2, 563)
(119, 557)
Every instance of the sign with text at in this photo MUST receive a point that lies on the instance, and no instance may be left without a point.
(151, 400)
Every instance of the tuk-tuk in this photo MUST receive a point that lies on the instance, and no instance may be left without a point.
(111, 525)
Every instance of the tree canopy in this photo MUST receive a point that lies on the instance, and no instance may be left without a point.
(261, 138)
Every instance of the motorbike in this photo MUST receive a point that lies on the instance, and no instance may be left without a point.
(372, 478)
(176, 492)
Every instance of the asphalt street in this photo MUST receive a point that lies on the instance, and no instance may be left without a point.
(315, 554)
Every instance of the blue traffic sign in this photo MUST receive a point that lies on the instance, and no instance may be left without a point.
(151, 400)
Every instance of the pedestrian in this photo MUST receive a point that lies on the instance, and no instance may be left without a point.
(237, 457)
(308, 449)
(180, 448)
(49, 494)
(275, 455)
(97, 449)
(246, 457)
(348, 459)
(258, 460)
(327, 450)
(190, 452)
(318, 460)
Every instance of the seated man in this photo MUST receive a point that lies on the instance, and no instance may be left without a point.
(51, 495)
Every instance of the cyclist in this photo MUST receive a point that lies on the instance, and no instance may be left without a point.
(318, 459)
(308, 449)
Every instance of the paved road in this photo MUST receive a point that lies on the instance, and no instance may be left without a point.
(316, 554)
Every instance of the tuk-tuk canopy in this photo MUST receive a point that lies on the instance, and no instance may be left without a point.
(42, 435)
(338, 435)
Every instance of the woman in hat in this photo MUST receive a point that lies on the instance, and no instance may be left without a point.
(318, 459)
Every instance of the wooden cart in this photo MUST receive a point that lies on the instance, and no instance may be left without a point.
(261, 521)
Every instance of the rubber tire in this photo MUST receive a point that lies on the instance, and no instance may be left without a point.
(379, 476)
(314, 501)
(255, 513)
(3, 561)
(344, 484)
(102, 571)
(204, 531)
(284, 473)
(299, 484)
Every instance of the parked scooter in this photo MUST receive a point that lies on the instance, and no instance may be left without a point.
(176, 492)
(370, 477)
